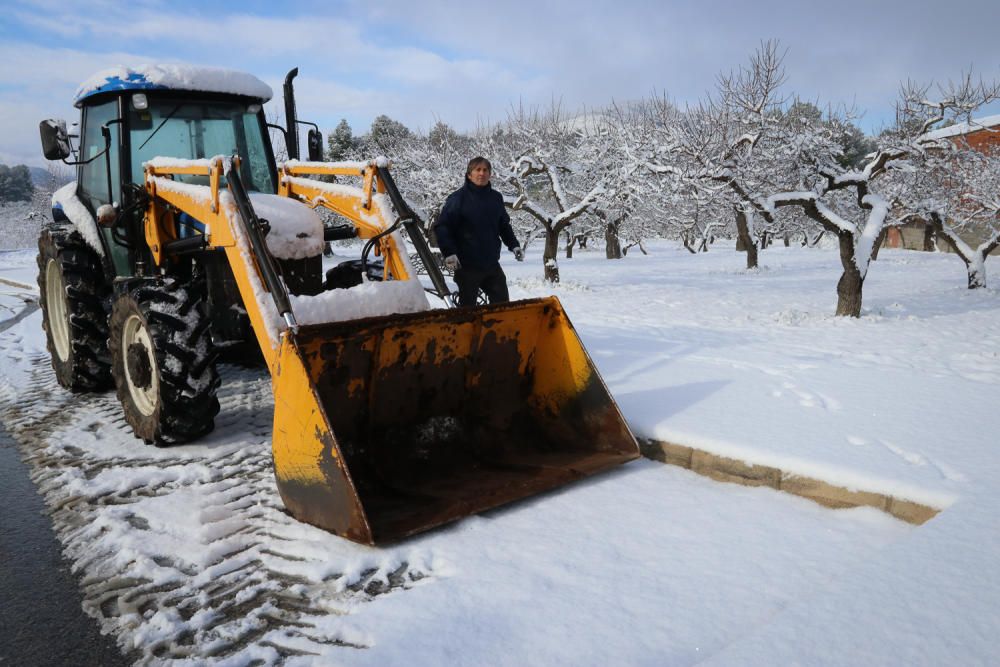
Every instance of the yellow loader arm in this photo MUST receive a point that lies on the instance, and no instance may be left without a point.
(368, 207)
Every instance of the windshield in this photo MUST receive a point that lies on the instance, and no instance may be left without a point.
(194, 130)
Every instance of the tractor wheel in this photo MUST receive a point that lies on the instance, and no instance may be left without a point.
(163, 361)
(72, 296)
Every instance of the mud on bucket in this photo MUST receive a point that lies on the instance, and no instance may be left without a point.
(388, 426)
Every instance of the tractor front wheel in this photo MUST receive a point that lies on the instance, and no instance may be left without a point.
(163, 361)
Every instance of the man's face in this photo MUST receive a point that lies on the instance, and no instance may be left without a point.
(480, 175)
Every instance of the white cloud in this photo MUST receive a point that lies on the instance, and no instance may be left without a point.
(462, 63)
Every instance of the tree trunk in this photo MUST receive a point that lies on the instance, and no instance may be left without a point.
(612, 244)
(850, 283)
(743, 235)
(977, 274)
(879, 242)
(549, 256)
(930, 238)
(686, 240)
(570, 242)
(975, 260)
(812, 244)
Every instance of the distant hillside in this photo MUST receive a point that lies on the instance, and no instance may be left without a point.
(21, 221)
(40, 177)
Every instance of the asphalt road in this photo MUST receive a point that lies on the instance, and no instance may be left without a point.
(41, 618)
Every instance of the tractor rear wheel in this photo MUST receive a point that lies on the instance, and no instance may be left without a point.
(163, 361)
(73, 294)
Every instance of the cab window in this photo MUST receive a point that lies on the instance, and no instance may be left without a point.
(94, 175)
(191, 130)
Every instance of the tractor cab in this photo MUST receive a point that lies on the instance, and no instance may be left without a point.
(130, 116)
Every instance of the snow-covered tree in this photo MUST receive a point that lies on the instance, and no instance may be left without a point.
(430, 169)
(384, 134)
(651, 185)
(973, 211)
(341, 144)
(550, 183)
(442, 137)
(15, 183)
(731, 148)
(858, 204)
(950, 185)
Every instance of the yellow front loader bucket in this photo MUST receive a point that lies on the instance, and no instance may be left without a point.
(388, 426)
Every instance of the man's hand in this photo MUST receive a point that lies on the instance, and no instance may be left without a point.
(451, 261)
(518, 254)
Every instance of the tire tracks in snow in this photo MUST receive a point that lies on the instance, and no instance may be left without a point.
(186, 553)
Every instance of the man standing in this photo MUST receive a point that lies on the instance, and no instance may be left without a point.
(469, 229)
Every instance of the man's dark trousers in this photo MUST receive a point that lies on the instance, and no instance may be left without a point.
(492, 281)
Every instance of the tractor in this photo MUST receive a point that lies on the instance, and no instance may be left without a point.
(184, 242)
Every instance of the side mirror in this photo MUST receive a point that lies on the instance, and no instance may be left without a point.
(314, 140)
(55, 139)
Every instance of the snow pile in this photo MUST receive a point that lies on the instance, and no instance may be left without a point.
(296, 230)
(176, 77)
(369, 299)
(65, 198)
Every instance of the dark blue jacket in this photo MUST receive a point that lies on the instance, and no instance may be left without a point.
(471, 224)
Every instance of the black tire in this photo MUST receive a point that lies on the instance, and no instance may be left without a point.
(163, 361)
(73, 297)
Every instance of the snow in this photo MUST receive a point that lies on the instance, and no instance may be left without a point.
(296, 230)
(66, 199)
(586, 123)
(879, 211)
(346, 164)
(162, 162)
(368, 299)
(201, 194)
(176, 77)
(648, 564)
(959, 129)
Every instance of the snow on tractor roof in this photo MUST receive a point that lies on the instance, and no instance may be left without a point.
(173, 77)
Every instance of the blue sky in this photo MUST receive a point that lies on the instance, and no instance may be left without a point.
(466, 63)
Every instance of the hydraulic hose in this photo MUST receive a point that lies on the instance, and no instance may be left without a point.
(265, 263)
(409, 219)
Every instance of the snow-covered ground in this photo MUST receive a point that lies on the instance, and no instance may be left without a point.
(185, 552)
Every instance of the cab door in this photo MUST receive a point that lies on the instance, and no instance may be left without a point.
(93, 188)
